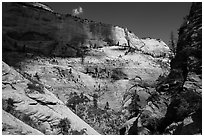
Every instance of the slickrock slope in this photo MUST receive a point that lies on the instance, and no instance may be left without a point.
(12, 125)
(32, 103)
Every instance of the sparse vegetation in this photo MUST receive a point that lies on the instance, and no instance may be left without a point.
(8, 106)
(36, 87)
(105, 121)
(65, 128)
(98, 72)
(118, 74)
(75, 100)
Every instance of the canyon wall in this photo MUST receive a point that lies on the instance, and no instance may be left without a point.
(37, 28)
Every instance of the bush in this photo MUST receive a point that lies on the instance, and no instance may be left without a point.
(64, 126)
(103, 120)
(109, 41)
(149, 122)
(107, 122)
(26, 119)
(8, 105)
(134, 108)
(75, 100)
(118, 74)
(34, 86)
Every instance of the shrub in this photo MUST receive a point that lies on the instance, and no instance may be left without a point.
(104, 121)
(8, 105)
(26, 119)
(149, 122)
(118, 74)
(64, 126)
(134, 108)
(75, 132)
(36, 86)
(109, 41)
(75, 100)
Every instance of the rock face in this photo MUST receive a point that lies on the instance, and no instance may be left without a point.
(38, 29)
(11, 125)
(185, 77)
(155, 47)
(119, 36)
(36, 106)
(176, 106)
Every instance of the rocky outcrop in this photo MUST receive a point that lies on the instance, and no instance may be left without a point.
(13, 126)
(178, 97)
(122, 35)
(185, 77)
(186, 68)
(155, 47)
(43, 6)
(36, 106)
(119, 35)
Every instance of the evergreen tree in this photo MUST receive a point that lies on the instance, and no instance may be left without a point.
(95, 100)
(107, 106)
(172, 44)
(134, 107)
(64, 126)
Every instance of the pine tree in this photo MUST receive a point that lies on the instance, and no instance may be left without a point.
(172, 44)
(134, 107)
(107, 106)
(64, 126)
(95, 100)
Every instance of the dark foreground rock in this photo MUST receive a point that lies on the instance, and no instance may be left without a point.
(180, 93)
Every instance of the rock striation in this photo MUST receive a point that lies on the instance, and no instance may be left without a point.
(35, 105)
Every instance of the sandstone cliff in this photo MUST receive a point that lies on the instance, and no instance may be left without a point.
(40, 29)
